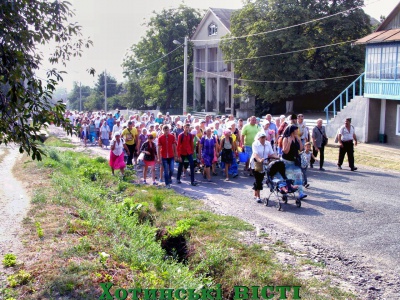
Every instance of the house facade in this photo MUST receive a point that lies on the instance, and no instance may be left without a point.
(213, 79)
(378, 110)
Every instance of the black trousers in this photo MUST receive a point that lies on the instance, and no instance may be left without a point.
(321, 156)
(348, 147)
(191, 164)
(259, 177)
(132, 149)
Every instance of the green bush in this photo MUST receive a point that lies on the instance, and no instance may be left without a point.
(158, 202)
(141, 209)
(182, 227)
(39, 230)
(39, 197)
(100, 159)
(53, 154)
(9, 260)
(20, 278)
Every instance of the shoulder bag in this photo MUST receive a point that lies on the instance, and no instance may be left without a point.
(259, 166)
(324, 138)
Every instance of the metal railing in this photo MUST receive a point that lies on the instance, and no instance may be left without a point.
(337, 104)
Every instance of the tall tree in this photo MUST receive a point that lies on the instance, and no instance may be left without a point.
(161, 81)
(24, 96)
(113, 87)
(272, 64)
(78, 94)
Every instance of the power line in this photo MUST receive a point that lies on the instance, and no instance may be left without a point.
(282, 53)
(146, 78)
(284, 28)
(300, 81)
(256, 34)
(149, 64)
(279, 81)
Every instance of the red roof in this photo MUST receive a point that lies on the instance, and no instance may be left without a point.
(384, 36)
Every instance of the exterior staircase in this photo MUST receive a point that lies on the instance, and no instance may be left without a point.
(343, 99)
(350, 103)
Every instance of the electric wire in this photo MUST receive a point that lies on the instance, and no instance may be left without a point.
(278, 81)
(282, 53)
(153, 62)
(147, 78)
(288, 27)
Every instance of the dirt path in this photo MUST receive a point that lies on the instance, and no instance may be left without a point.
(14, 204)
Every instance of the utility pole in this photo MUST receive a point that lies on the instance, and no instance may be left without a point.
(185, 66)
(80, 96)
(105, 91)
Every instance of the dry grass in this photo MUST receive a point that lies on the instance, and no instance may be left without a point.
(46, 253)
(376, 156)
(3, 153)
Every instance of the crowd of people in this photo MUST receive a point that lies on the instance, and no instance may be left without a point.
(158, 142)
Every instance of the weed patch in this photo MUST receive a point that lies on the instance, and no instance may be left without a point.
(9, 260)
(56, 142)
(20, 278)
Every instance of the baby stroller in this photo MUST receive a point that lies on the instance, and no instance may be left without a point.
(279, 185)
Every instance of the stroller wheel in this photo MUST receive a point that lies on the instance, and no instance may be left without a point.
(278, 206)
(266, 200)
(284, 198)
(298, 203)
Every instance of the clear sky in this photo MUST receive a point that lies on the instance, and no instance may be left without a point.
(114, 26)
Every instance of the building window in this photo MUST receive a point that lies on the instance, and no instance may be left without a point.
(383, 62)
(398, 120)
(388, 66)
(212, 29)
(373, 62)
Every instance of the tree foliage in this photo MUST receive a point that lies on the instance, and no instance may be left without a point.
(315, 63)
(113, 87)
(161, 82)
(23, 96)
(78, 94)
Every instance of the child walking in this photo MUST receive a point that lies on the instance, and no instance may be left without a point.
(305, 161)
(150, 157)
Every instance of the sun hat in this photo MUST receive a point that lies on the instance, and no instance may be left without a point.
(261, 134)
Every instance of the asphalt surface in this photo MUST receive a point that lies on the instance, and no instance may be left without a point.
(356, 214)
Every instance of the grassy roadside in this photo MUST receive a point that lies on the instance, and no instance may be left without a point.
(367, 155)
(87, 227)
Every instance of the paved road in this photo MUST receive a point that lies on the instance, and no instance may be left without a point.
(356, 213)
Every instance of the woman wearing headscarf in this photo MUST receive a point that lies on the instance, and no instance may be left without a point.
(85, 131)
(228, 147)
(208, 146)
(142, 137)
(262, 150)
(291, 146)
(105, 134)
(117, 153)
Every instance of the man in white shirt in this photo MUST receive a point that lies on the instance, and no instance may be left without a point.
(71, 118)
(303, 133)
(217, 129)
(117, 127)
(345, 137)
